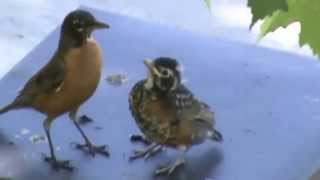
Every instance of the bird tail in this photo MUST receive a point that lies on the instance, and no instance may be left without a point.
(7, 108)
(216, 136)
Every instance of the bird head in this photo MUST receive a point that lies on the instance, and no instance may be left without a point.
(164, 74)
(80, 24)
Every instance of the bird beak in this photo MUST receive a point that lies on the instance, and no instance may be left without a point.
(100, 25)
(150, 66)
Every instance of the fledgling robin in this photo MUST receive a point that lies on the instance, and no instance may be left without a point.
(167, 112)
(67, 80)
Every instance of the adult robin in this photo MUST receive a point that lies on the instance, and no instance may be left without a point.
(167, 112)
(69, 79)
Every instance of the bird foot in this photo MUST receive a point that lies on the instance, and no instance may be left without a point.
(169, 169)
(57, 165)
(146, 153)
(93, 149)
(139, 138)
(83, 120)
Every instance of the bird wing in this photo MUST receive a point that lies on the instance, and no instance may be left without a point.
(194, 118)
(189, 108)
(136, 98)
(151, 113)
(49, 79)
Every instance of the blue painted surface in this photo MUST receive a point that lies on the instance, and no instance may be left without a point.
(266, 104)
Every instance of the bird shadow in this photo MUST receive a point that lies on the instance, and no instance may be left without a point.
(37, 172)
(200, 167)
(5, 140)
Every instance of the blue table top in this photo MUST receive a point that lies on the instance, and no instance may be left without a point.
(266, 104)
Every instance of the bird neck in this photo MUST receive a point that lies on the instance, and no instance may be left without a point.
(67, 42)
(160, 92)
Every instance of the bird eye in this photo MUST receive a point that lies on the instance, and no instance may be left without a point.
(78, 25)
(165, 73)
(76, 22)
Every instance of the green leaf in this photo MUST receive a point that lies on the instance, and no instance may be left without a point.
(208, 4)
(307, 13)
(263, 8)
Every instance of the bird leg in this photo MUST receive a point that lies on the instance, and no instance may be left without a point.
(88, 146)
(55, 164)
(169, 169)
(150, 151)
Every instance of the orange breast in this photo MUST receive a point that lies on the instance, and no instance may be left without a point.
(82, 78)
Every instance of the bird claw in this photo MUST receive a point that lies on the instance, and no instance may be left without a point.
(146, 153)
(83, 120)
(169, 169)
(57, 165)
(139, 154)
(93, 149)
